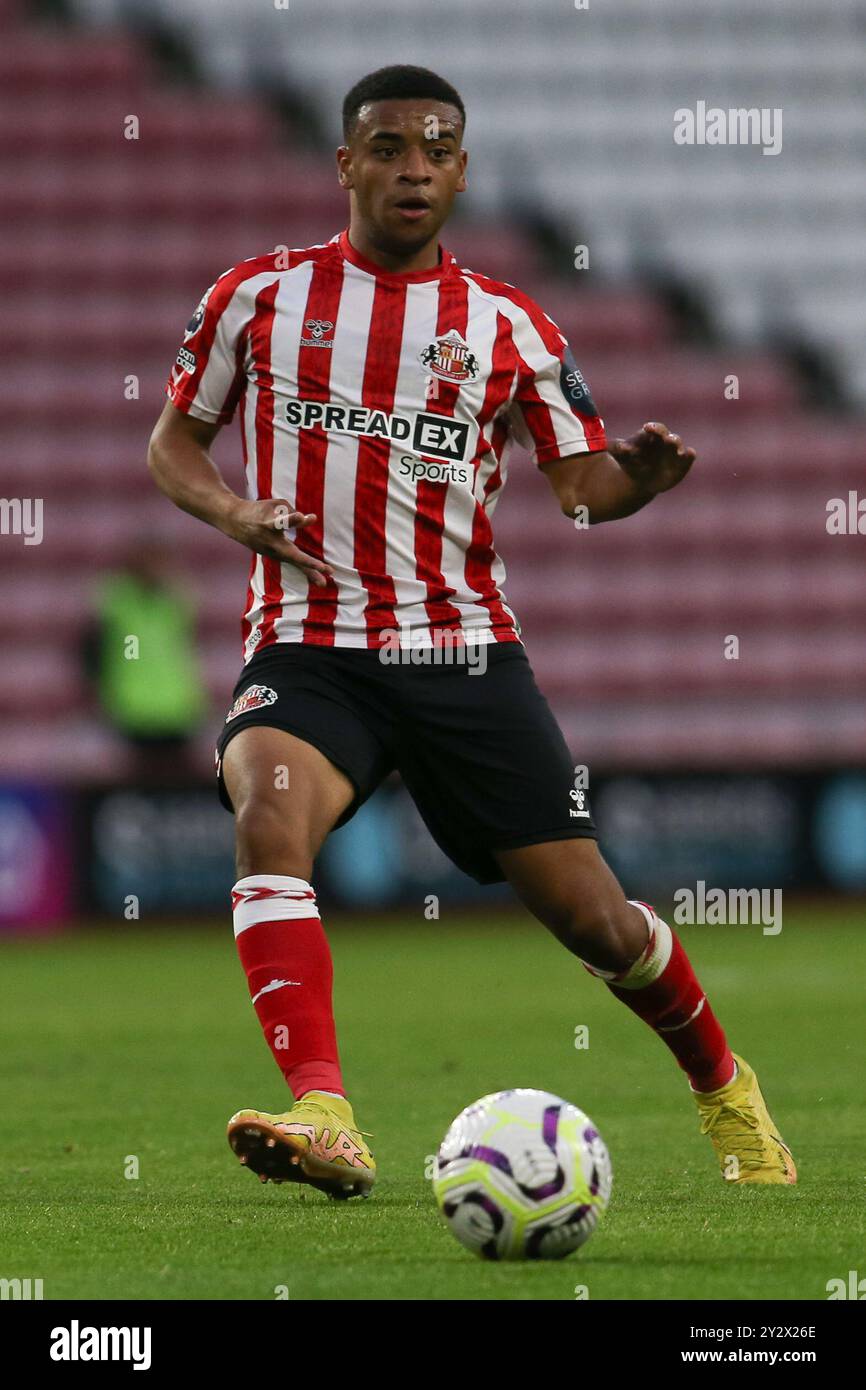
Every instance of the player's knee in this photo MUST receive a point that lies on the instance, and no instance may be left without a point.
(270, 841)
(591, 929)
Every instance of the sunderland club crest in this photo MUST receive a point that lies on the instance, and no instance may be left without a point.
(450, 358)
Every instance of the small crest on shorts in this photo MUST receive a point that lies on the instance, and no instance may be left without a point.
(450, 358)
(254, 697)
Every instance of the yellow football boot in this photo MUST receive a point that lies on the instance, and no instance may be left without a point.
(736, 1118)
(315, 1142)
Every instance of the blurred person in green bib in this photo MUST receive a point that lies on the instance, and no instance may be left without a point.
(141, 654)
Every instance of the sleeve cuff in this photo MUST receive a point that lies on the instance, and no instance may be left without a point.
(551, 452)
(200, 412)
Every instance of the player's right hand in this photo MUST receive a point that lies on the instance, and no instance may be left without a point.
(262, 527)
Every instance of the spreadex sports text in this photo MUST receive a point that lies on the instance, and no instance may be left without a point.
(427, 434)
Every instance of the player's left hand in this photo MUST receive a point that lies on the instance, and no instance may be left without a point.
(654, 459)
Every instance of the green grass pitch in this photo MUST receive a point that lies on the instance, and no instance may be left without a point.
(133, 1042)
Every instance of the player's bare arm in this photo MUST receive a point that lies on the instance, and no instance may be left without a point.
(183, 469)
(620, 480)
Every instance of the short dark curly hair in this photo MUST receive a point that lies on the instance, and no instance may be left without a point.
(394, 84)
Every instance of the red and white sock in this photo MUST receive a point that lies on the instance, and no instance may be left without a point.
(285, 953)
(661, 988)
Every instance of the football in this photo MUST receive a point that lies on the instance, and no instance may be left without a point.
(522, 1175)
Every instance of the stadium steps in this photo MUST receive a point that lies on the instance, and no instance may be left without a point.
(109, 249)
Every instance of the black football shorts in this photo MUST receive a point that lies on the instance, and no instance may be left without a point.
(480, 753)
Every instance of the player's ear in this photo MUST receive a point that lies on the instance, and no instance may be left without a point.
(344, 167)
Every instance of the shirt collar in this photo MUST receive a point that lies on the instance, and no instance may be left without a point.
(411, 277)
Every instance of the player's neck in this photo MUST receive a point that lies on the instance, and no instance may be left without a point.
(427, 258)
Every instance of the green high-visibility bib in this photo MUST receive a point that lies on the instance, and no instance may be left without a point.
(149, 675)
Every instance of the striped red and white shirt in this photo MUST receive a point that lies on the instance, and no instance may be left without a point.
(387, 404)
